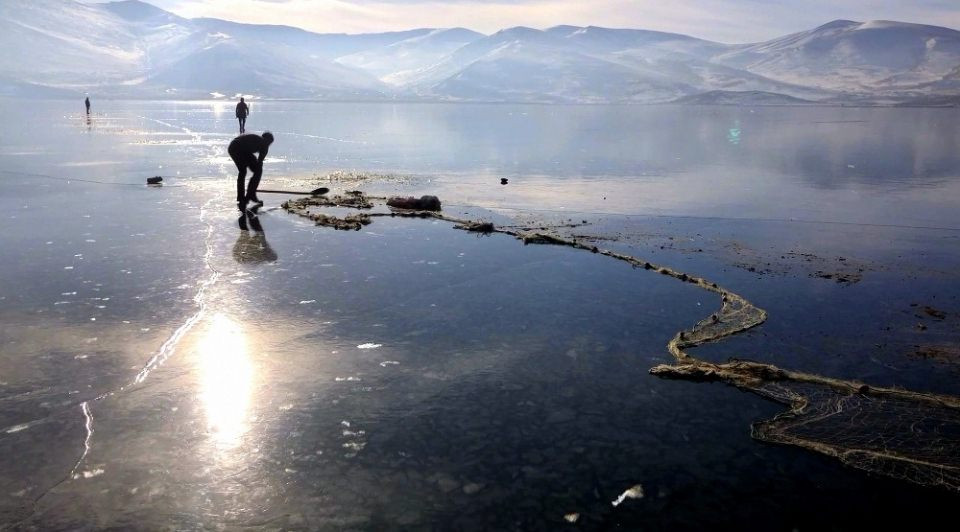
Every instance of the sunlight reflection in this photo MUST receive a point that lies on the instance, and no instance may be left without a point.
(226, 375)
(219, 108)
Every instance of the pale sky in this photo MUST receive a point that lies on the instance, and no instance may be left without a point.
(732, 21)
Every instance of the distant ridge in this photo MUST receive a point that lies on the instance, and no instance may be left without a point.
(132, 49)
(720, 97)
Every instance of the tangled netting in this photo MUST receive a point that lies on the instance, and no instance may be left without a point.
(903, 434)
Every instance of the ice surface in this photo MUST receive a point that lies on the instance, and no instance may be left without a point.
(509, 387)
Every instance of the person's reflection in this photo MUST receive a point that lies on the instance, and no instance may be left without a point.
(89, 124)
(252, 246)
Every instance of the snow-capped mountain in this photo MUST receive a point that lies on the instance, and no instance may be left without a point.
(574, 64)
(878, 57)
(396, 61)
(66, 44)
(133, 49)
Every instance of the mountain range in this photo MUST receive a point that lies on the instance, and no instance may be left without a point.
(131, 49)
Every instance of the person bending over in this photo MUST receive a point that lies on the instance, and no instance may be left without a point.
(242, 150)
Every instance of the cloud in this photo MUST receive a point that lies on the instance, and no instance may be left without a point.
(722, 20)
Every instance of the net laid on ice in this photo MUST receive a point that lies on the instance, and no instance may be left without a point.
(913, 436)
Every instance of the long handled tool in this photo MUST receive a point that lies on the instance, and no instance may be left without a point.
(315, 192)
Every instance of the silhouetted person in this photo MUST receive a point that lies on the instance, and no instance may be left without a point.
(242, 111)
(252, 247)
(87, 103)
(242, 150)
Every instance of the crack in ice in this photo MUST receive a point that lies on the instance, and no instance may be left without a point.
(88, 425)
(162, 354)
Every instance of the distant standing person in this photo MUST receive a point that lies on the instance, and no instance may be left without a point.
(242, 111)
(87, 103)
(242, 150)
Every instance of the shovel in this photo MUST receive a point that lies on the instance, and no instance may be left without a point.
(315, 192)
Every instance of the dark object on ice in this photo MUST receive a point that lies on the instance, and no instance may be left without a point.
(503, 180)
(425, 203)
(242, 150)
(86, 102)
(242, 111)
(156, 180)
(315, 192)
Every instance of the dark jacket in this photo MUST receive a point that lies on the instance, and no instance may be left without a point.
(249, 143)
(242, 110)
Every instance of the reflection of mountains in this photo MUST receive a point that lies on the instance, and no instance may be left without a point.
(815, 145)
(252, 246)
(891, 148)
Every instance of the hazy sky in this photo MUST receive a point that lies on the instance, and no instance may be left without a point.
(721, 20)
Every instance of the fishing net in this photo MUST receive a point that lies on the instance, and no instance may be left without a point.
(913, 436)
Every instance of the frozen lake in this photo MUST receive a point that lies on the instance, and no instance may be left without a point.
(163, 365)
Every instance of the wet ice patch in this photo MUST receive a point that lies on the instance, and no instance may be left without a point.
(369, 346)
(308, 301)
(635, 492)
(386, 363)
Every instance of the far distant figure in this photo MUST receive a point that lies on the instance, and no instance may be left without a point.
(242, 111)
(241, 150)
(87, 103)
